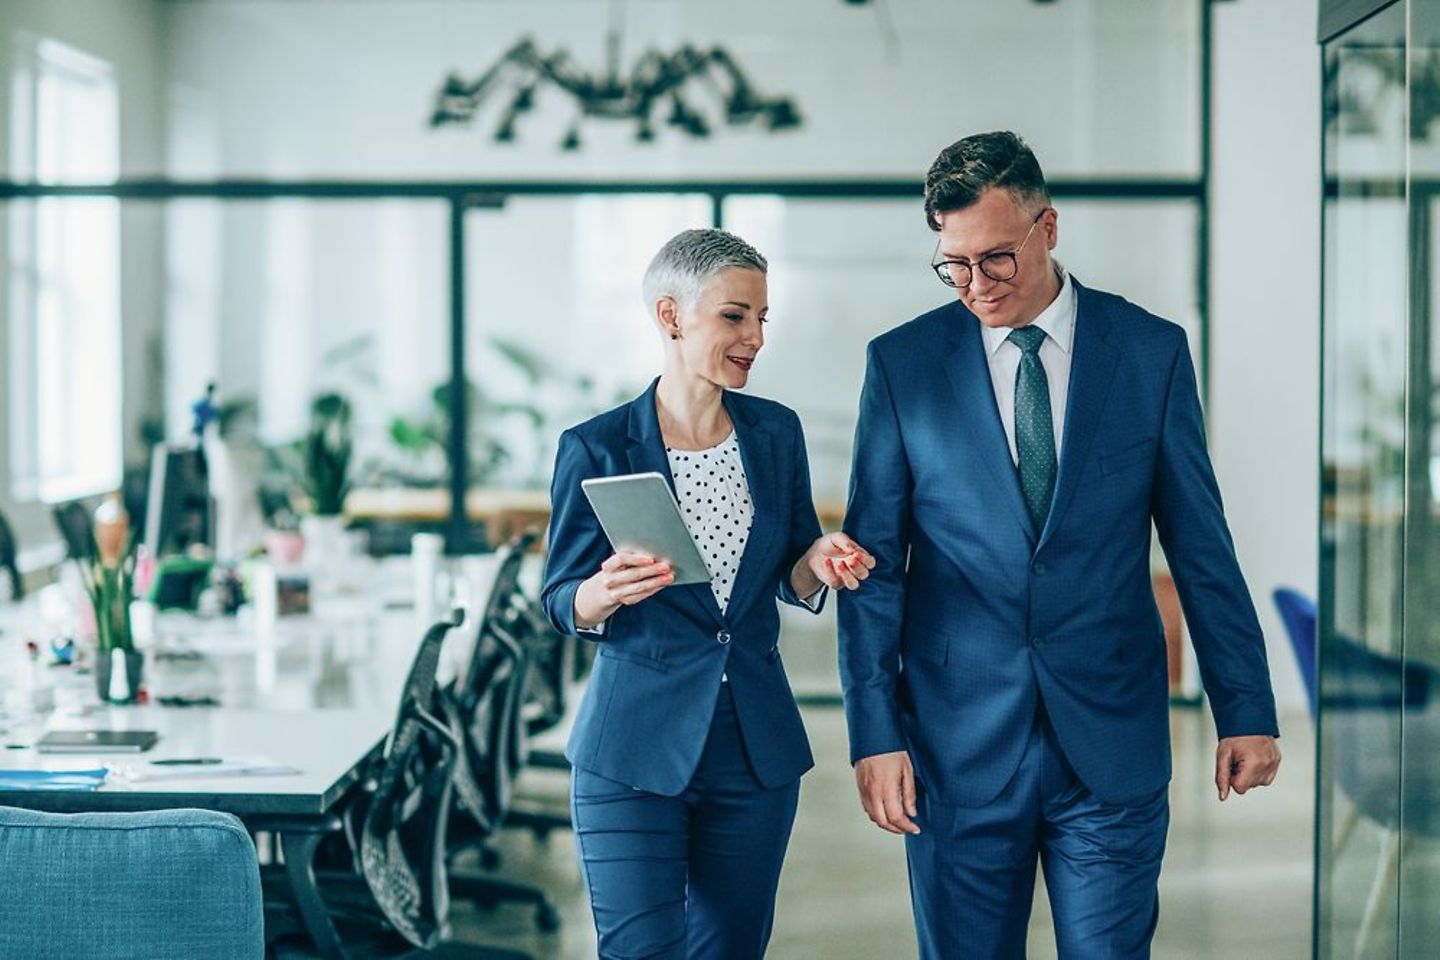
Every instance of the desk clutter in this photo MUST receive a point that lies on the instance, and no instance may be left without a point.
(363, 840)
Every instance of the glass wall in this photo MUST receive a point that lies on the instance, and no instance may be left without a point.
(297, 312)
(555, 328)
(1378, 844)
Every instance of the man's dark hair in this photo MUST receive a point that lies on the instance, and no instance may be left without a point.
(967, 167)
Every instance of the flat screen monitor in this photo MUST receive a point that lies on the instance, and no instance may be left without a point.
(179, 512)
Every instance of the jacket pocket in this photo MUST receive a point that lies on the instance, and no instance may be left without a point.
(631, 656)
(926, 643)
(1142, 452)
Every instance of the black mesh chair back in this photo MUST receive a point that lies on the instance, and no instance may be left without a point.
(484, 706)
(77, 529)
(8, 564)
(402, 842)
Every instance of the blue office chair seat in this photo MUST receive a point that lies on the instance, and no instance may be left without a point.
(156, 885)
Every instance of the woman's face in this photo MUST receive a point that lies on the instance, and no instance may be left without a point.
(721, 333)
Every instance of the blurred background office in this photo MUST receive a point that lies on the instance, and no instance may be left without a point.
(414, 232)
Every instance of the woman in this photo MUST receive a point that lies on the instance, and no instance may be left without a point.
(688, 747)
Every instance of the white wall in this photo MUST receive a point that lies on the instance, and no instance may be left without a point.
(1101, 87)
(1265, 301)
(130, 36)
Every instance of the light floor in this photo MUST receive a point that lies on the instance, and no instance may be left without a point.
(1236, 882)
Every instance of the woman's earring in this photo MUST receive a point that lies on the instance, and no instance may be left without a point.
(674, 336)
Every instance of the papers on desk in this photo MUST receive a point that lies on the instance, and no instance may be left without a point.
(138, 772)
(14, 779)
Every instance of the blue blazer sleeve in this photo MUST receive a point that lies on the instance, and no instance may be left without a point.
(804, 524)
(1191, 522)
(577, 543)
(877, 517)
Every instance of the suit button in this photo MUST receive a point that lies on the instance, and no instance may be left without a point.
(1037, 641)
(1039, 569)
(723, 636)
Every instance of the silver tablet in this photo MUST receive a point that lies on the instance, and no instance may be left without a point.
(639, 515)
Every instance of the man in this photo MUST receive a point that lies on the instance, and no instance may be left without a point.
(1004, 669)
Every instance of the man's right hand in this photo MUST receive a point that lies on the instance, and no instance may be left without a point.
(887, 790)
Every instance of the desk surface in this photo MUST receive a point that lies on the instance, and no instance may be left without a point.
(326, 746)
(318, 695)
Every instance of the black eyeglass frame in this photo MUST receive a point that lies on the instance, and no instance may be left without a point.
(1012, 256)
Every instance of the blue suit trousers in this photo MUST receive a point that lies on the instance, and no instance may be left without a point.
(972, 869)
(692, 876)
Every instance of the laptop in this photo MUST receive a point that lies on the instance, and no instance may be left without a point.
(97, 741)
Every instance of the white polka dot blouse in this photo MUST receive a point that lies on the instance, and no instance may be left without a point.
(715, 502)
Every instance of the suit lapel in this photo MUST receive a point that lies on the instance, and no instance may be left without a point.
(646, 454)
(968, 371)
(763, 474)
(1092, 367)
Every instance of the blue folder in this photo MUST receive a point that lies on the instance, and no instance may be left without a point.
(52, 779)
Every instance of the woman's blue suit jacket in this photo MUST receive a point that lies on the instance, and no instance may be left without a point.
(647, 709)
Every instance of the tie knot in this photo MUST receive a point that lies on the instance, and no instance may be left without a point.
(1028, 339)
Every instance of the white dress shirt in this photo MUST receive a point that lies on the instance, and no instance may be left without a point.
(1058, 322)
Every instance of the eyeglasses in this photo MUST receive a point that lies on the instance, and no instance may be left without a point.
(997, 266)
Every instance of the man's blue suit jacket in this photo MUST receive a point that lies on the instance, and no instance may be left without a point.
(647, 709)
(971, 617)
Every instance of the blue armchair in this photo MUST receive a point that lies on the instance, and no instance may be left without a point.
(159, 884)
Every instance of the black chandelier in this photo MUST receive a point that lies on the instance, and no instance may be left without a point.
(659, 87)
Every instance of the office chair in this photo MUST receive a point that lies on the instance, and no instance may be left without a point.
(8, 564)
(167, 884)
(394, 898)
(74, 521)
(484, 708)
(1299, 615)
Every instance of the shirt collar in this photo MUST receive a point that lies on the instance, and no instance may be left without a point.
(1057, 320)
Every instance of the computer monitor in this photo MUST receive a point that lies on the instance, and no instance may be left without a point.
(179, 510)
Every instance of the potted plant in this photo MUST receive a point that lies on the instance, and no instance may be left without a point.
(326, 451)
(109, 575)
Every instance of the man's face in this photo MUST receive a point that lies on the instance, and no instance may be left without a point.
(996, 223)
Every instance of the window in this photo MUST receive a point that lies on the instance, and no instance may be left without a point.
(64, 278)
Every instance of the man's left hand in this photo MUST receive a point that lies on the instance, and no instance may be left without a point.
(1245, 762)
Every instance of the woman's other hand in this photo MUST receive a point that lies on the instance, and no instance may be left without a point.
(833, 560)
(622, 581)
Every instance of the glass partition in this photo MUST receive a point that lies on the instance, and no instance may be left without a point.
(1366, 493)
(1418, 842)
(556, 328)
(284, 303)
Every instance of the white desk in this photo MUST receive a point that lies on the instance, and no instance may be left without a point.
(326, 746)
(320, 698)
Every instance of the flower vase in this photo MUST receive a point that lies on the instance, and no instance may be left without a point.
(325, 550)
(118, 675)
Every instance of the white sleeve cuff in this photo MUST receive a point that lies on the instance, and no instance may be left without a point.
(596, 631)
(813, 601)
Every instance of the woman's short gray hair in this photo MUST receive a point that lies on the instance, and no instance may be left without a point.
(690, 259)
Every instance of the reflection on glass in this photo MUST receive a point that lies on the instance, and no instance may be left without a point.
(1363, 683)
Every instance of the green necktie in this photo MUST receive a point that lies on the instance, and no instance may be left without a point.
(1034, 425)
